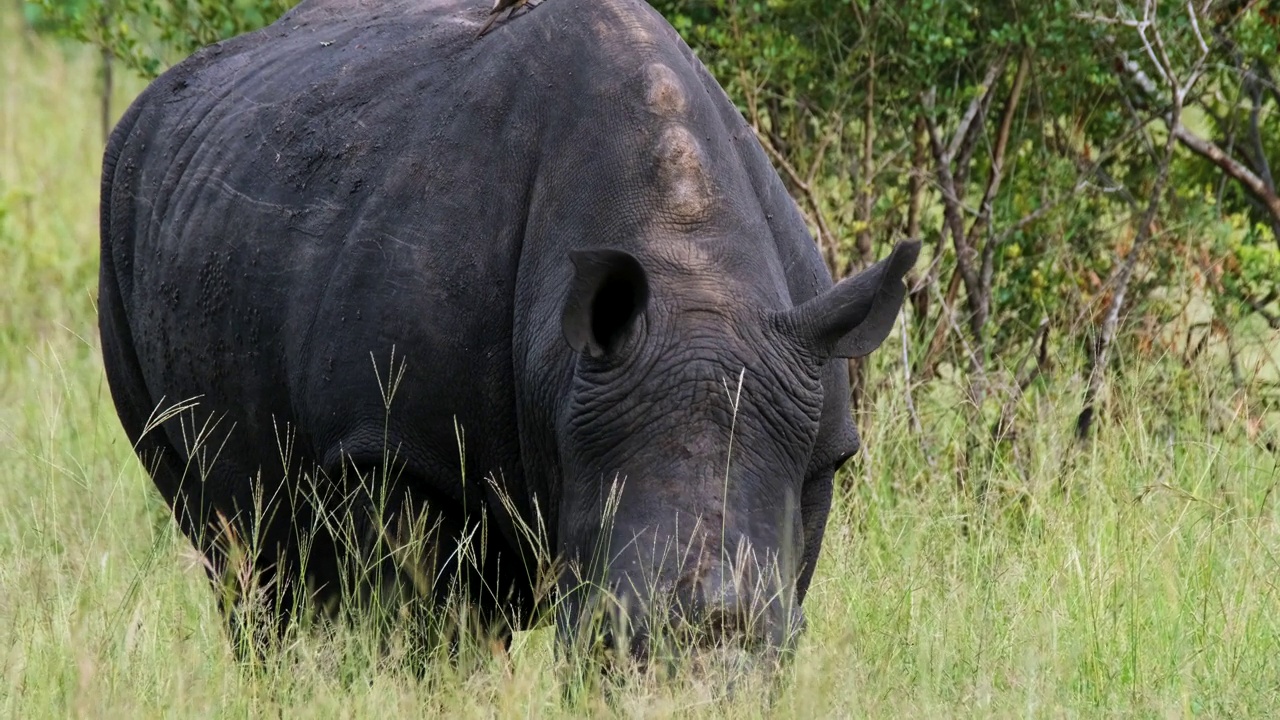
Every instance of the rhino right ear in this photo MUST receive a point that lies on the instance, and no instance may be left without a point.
(608, 293)
(854, 317)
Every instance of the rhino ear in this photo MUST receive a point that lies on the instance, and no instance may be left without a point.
(609, 291)
(854, 317)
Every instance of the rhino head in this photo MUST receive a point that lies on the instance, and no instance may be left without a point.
(698, 445)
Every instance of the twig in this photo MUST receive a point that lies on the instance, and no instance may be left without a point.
(988, 80)
(1233, 360)
(974, 363)
(1260, 307)
(1254, 85)
(906, 378)
(1142, 26)
(946, 308)
(826, 239)
(1023, 378)
(962, 163)
(951, 210)
(1241, 174)
(1195, 25)
(982, 224)
(1102, 353)
(1034, 215)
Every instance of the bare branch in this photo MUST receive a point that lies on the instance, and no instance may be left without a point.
(1139, 75)
(951, 210)
(975, 364)
(1263, 73)
(1023, 378)
(1161, 55)
(1042, 357)
(1260, 306)
(1102, 353)
(988, 81)
(915, 180)
(1214, 154)
(1142, 28)
(1124, 273)
(962, 164)
(826, 239)
(1096, 19)
(865, 195)
(906, 379)
(915, 197)
(1034, 215)
(947, 309)
(821, 152)
(983, 222)
(1253, 86)
(1259, 184)
(1195, 25)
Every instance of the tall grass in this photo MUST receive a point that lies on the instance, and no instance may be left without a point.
(1132, 577)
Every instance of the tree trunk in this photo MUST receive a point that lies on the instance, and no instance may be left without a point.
(108, 87)
(108, 81)
(866, 201)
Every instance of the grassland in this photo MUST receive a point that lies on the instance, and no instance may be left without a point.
(1135, 576)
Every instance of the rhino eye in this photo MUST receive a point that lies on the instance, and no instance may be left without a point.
(843, 458)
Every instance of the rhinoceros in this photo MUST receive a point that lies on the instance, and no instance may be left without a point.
(539, 291)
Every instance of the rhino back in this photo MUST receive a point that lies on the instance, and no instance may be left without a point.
(285, 208)
(288, 206)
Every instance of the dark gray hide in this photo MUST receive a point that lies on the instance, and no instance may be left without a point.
(570, 242)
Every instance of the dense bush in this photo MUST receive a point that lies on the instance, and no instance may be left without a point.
(149, 35)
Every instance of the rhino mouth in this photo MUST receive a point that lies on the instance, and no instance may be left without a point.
(618, 627)
(664, 648)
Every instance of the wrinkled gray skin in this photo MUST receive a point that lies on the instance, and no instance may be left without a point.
(573, 245)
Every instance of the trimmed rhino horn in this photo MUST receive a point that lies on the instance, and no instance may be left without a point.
(854, 317)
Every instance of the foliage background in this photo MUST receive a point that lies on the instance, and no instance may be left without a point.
(981, 561)
(1022, 141)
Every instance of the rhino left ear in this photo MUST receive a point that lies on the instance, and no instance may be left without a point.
(854, 317)
(609, 291)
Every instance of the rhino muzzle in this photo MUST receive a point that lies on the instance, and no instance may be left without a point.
(738, 601)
